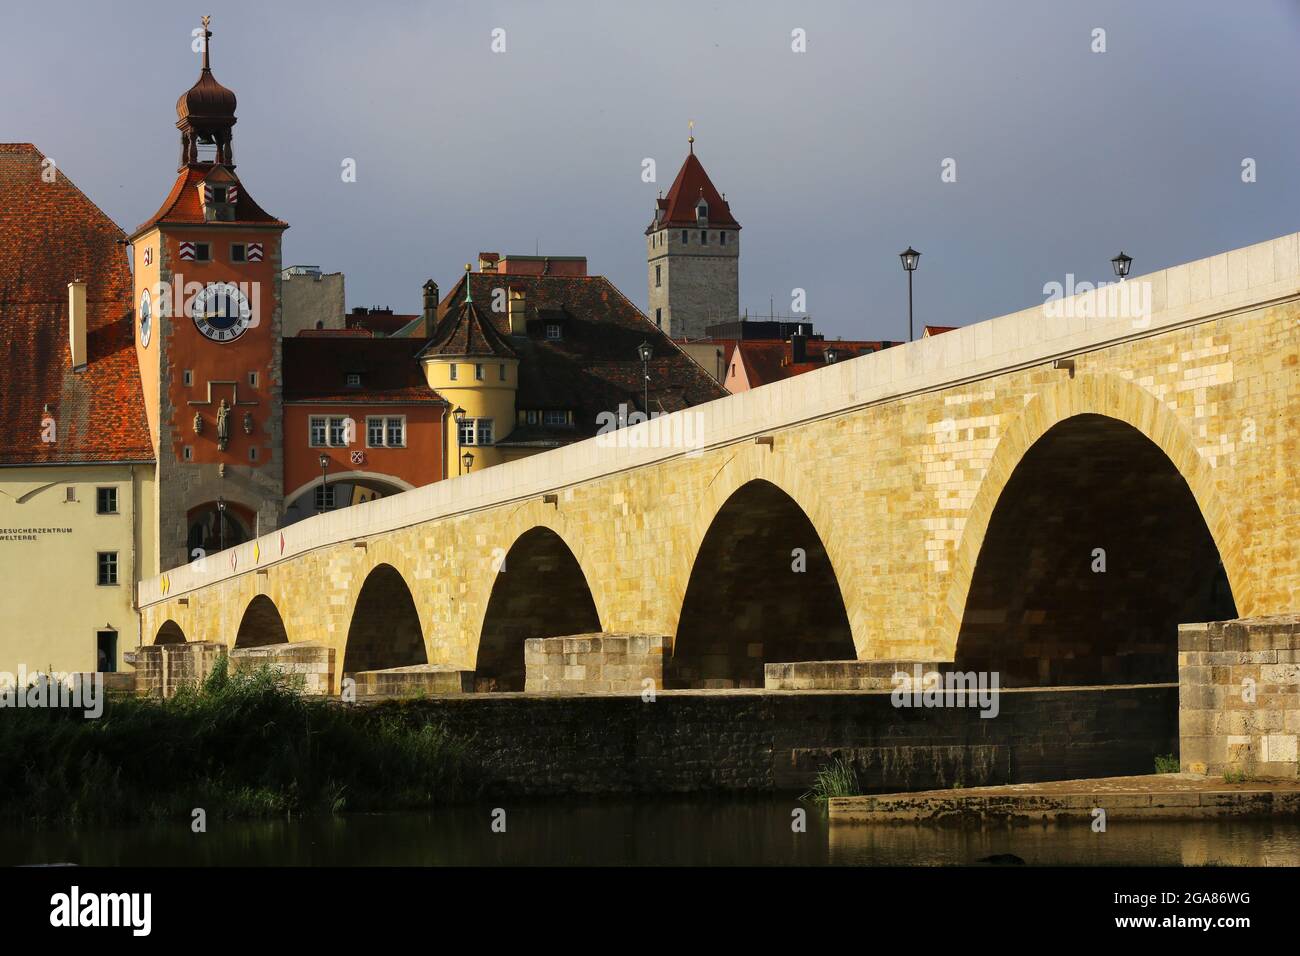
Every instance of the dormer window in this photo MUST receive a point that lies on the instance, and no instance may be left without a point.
(218, 201)
(701, 212)
(553, 331)
(354, 379)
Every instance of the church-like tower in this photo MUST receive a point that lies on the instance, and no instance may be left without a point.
(693, 255)
(207, 336)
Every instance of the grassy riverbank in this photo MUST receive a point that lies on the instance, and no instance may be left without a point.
(243, 744)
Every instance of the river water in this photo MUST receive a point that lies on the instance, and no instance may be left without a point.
(656, 831)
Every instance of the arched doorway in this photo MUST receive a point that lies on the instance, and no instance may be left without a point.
(1094, 553)
(169, 633)
(540, 591)
(761, 590)
(341, 491)
(261, 624)
(215, 526)
(385, 630)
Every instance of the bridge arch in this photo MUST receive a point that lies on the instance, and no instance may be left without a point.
(538, 589)
(1091, 463)
(769, 464)
(169, 633)
(762, 589)
(385, 629)
(261, 624)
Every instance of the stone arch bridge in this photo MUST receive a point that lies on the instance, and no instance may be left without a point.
(1048, 493)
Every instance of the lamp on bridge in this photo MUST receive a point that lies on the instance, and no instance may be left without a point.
(646, 351)
(1121, 264)
(911, 259)
(459, 416)
(468, 460)
(324, 481)
(221, 522)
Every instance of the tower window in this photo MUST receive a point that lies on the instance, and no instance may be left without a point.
(202, 252)
(686, 237)
(478, 372)
(252, 379)
(659, 318)
(252, 454)
(658, 281)
(722, 238)
(237, 253)
(452, 367)
(106, 501)
(188, 453)
(501, 371)
(187, 377)
(704, 238)
(106, 568)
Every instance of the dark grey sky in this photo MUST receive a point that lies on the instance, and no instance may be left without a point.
(830, 158)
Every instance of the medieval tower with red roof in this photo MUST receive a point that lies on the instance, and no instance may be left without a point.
(207, 331)
(693, 255)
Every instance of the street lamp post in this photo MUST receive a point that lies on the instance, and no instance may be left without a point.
(468, 460)
(910, 259)
(459, 416)
(646, 351)
(221, 523)
(324, 480)
(1121, 264)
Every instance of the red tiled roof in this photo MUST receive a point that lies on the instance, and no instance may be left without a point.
(335, 333)
(51, 234)
(316, 370)
(769, 361)
(183, 205)
(937, 329)
(595, 366)
(691, 183)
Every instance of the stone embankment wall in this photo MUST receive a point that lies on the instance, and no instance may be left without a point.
(685, 741)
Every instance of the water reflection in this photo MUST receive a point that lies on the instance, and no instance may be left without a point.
(646, 832)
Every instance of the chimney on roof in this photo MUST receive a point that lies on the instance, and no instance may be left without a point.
(487, 261)
(430, 307)
(798, 349)
(77, 322)
(517, 302)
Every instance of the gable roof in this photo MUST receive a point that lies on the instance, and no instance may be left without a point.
(184, 207)
(50, 235)
(678, 206)
(767, 361)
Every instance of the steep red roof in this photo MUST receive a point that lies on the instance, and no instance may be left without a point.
(691, 183)
(316, 369)
(183, 205)
(936, 330)
(51, 234)
(464, 330)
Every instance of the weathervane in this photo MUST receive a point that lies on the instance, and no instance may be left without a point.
(207, 35)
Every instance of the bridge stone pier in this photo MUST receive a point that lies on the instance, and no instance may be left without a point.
(1047, 494)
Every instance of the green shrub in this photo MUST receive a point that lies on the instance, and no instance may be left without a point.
(246, 743)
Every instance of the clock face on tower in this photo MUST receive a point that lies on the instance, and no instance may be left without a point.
(146, 319)
(221, 312)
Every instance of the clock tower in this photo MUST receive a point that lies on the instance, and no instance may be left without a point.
(207, 337)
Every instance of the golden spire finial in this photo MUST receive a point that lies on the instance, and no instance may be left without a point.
(207, 36)
(690, 140)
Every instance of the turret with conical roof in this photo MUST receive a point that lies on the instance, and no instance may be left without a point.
(205, 113)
